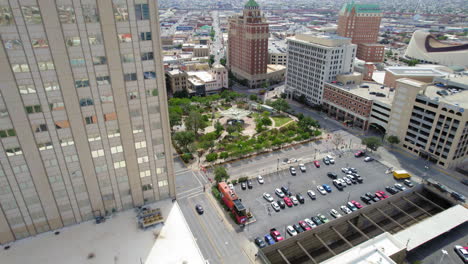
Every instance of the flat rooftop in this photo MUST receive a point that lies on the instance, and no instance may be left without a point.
(202, 75)
(277, 46)
(415, 71)
(369, 91)
(327, 40)
(458, 99)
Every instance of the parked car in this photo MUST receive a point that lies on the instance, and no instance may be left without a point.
(343, 183)
(348, 181)
(338, 185)
(359, 179)
(323, 218)
(231, 186)
(330, 159)
(269, 240)
(199, 209)
(288, 201)
(353, 170)
(462, 252)
(281, 204)
(325, 161)
(304, 226)
(359, 153)
(351, 178)
(285, 190)
(298, 228)
(400, 187)
(311, 194)
(351, 206)
(310, 223)
(291, 231)
(335, 213)
(382, 193)
(294, 200)
(464, 181)
(408, 183)
(321, 190)
(367, 159)
(260, 179)
(357, 204)
(458, 196)
(302, 167)
(317, 163)
(243, 185)
(344, 170)
(268, 197)
(391, 190)
(379, 196)
(372, 196)
(292, 170)
(332, 175)
(316, 220)
(279, 193)
(365, 199)
(300, 198)
(276, 235)
(249, 184)
(440, 187)
(327, 188)
(275, 206)
(259, 242)
(345, 209)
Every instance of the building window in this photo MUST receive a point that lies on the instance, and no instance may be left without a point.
(95, 39)
(39, 43)
(107, 99)
(146, 56)
(103, 80)
(40, 128)
(153, 92)
(81, 83)
(95, 137)
(130, 77)
(46, 65)
(147, 187)
(116, 149)
(119, 164)
(20, 67)
(149, 75)
(141, 144)
(132, 95)
(162, 183)
(54, 106)
(110, 116)
(12, 43)
(125, 38)
(33, 109)
(13, 152)
(6, 17)
(27, 89)
(77, 62)
(145, 36)
(90, 120)
(128, 58)
(7, 133)
(90, 14)
(31, 14)
(45, 146)
(73, 41)
(86, 102)
(145, 173)
(97, 153)
(143, 159)
(66, 14)
(66, 142)
(100, 169)
(52, 86)
(113, 134)
(99, 60)
(142, 12)
(120, 10)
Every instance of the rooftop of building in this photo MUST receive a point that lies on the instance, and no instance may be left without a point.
(251, 3)
(361, 8)
(174, 72)
(454, 97)
(277, 46)
(369, 90)
(275, 67)
(204, 76)
(415, 71)
(328, 40)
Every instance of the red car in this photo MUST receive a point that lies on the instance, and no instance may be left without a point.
(317, 163)
(385, 196)
(288, 201)
(358, 154)
(276, 235)
(379, 195)
(358, 205)
(304, 225)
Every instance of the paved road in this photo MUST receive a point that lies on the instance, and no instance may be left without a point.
(217, 47)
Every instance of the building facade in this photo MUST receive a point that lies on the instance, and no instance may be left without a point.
(176, 80)
(427, 75)
(432, 126)
(247, 56)
(314, 60)
(84, 125)
(361, 23)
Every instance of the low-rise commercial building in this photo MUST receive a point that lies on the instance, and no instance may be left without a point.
(176, 80)
(427, 75)
(201, 51)
(277, 52)
(208, 82)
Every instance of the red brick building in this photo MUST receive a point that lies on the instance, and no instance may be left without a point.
(248, 45)
(361, 23)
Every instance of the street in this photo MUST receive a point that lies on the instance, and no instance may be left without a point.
(217, 47)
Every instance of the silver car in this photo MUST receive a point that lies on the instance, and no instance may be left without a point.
(268, 197)
(275, 206)
(335, 213)
(345, 209)
(279, 193)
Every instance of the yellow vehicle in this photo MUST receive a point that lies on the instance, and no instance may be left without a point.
(401, 174)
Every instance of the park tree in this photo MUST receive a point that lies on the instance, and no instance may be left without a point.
(372, 142)
(253, 97)
(175, 115)
(306, 122)
(393, 140)
(183, 139)
(218, 128)
(220, 174)
(279, 104)
(337, 140)
(194, 121)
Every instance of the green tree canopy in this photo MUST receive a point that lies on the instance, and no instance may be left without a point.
(372, 142)
(183, 139)
(393, 140)
(220, 174)
(279, 104)
(306, 122)
(194, 121)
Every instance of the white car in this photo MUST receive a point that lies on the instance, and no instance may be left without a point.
(345, 209)
(294, 200)
(268, 197)
(310, 223)
(231, 186)
(367, 159)
(321, 190)
(330, 159)
(347, 180)
(335, 213)
(400, 187)
(275, 206)
(302, 167)
(462, 252)
(279, 193)
(344, 170)
(343, 183)
(311, 194)
(260, 179)
(291, 231)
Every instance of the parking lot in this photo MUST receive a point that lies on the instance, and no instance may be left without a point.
(373, 174)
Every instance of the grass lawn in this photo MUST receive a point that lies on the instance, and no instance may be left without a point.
(279, 121)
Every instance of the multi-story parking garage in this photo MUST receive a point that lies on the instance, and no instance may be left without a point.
(398, 219)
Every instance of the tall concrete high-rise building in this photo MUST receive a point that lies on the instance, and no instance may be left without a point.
(84, 125)
(248, 45)
(361, 23)
(314, 60)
